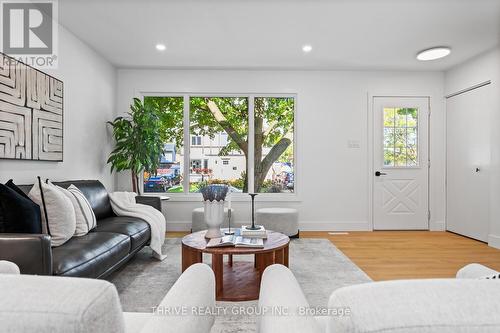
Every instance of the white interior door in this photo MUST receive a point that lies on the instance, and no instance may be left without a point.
(401, 163)
(468, 150)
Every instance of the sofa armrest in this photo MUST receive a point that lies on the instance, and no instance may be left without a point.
(193, 294)
(152, 201)
(7, 267)
(280, 291)
(475, 271)
(31, 252)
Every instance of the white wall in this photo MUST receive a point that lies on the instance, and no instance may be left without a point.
(479, 69)
(332, 180)
(89, 101)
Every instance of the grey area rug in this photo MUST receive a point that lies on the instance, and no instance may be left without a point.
(319, 267)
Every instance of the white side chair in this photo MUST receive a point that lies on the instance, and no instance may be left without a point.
(465, 304)
(7, 267)
(43, 304)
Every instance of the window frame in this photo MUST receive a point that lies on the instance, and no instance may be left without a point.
(195, 139)
(186, 195)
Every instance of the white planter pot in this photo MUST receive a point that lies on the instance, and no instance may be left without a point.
(214, 216)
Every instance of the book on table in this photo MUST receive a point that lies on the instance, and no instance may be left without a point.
(238, 232)
(236, 241)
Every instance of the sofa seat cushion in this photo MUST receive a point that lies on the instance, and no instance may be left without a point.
(138, 230)
(90, 255)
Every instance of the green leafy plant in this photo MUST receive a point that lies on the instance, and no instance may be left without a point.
(139, 143)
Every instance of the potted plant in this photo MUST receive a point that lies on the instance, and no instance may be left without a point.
(139, 145)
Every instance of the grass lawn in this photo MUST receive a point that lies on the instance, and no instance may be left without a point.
(179, 189)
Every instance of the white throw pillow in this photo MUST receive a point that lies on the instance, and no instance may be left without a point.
(60, 212)
(85, 206)
(81, 219)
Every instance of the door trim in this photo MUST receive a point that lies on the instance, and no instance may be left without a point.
(369, 145)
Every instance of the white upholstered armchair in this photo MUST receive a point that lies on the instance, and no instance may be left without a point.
(44, 304)
(7, 267)
(464, 304)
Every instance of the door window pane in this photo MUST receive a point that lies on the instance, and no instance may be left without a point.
(221, 123)
(400, 137)
(168, 177)
(389, 117)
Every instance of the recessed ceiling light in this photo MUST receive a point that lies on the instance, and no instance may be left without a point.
(433, 53)
(161, 47)
(307, 48)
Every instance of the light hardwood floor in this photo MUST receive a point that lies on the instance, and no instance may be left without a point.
(388, 255)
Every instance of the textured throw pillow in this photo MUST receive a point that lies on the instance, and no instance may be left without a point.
(17, 213)
(57, 212)
(492, 277)
(82, 219)
(85, 206)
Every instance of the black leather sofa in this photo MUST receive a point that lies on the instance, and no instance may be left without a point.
(95, 255)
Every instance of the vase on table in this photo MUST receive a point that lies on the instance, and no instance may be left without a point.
(214, 196)
(214, 216)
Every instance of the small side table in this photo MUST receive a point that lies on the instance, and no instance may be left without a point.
(236, 280)
(152, 200)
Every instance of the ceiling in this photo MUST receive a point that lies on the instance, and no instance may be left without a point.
(269, 34)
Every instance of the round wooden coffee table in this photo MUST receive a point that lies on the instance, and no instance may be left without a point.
(238, 280)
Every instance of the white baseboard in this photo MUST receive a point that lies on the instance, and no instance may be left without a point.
(437, 226)
(494, 241)
(179, 226)
(303, 226)
(334, 226)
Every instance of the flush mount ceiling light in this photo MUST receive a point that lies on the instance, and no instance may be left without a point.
(161, 47)
(307, 48)
(433, 53)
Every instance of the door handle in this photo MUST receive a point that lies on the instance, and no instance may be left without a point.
(378, 173)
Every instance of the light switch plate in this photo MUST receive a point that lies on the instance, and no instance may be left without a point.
(352, 143)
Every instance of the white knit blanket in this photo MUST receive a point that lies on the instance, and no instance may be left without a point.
(123, 204)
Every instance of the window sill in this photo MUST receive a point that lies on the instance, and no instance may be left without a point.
(263, 197)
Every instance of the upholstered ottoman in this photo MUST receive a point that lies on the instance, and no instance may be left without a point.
(284, 220)
(198, 221)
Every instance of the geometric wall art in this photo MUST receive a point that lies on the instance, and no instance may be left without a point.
(31, 113)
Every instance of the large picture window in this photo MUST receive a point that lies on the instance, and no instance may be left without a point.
(169, 175)
(222, 122)
(218, 130)
(273, 148)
